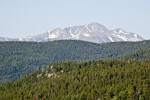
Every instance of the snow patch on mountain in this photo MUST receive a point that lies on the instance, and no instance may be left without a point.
(93, 32)
(86, 35)
(111, 39)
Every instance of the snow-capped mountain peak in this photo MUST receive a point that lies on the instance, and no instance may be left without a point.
(93, 32)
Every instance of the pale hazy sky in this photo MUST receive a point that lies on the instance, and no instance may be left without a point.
(20, 18)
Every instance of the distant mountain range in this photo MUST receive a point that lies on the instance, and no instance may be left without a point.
(93, 32)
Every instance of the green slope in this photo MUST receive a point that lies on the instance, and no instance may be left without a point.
(142, 54)
(19, 58)
(94, 80)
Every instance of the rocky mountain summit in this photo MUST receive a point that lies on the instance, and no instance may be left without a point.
(93, 32)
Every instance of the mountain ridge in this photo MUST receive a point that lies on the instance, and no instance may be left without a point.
(141, 54)
(93, 32)
(20, 58)
(104, 79)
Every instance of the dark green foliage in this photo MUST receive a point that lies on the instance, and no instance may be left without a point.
(93, 80)
(142, 54)
(20, 58)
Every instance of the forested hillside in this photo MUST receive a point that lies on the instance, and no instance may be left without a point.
(142, 54)
(93, 80)
(20, 58)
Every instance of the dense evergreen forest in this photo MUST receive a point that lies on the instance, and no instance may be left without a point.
(20, 58)
(142, 54)
(93, 80)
